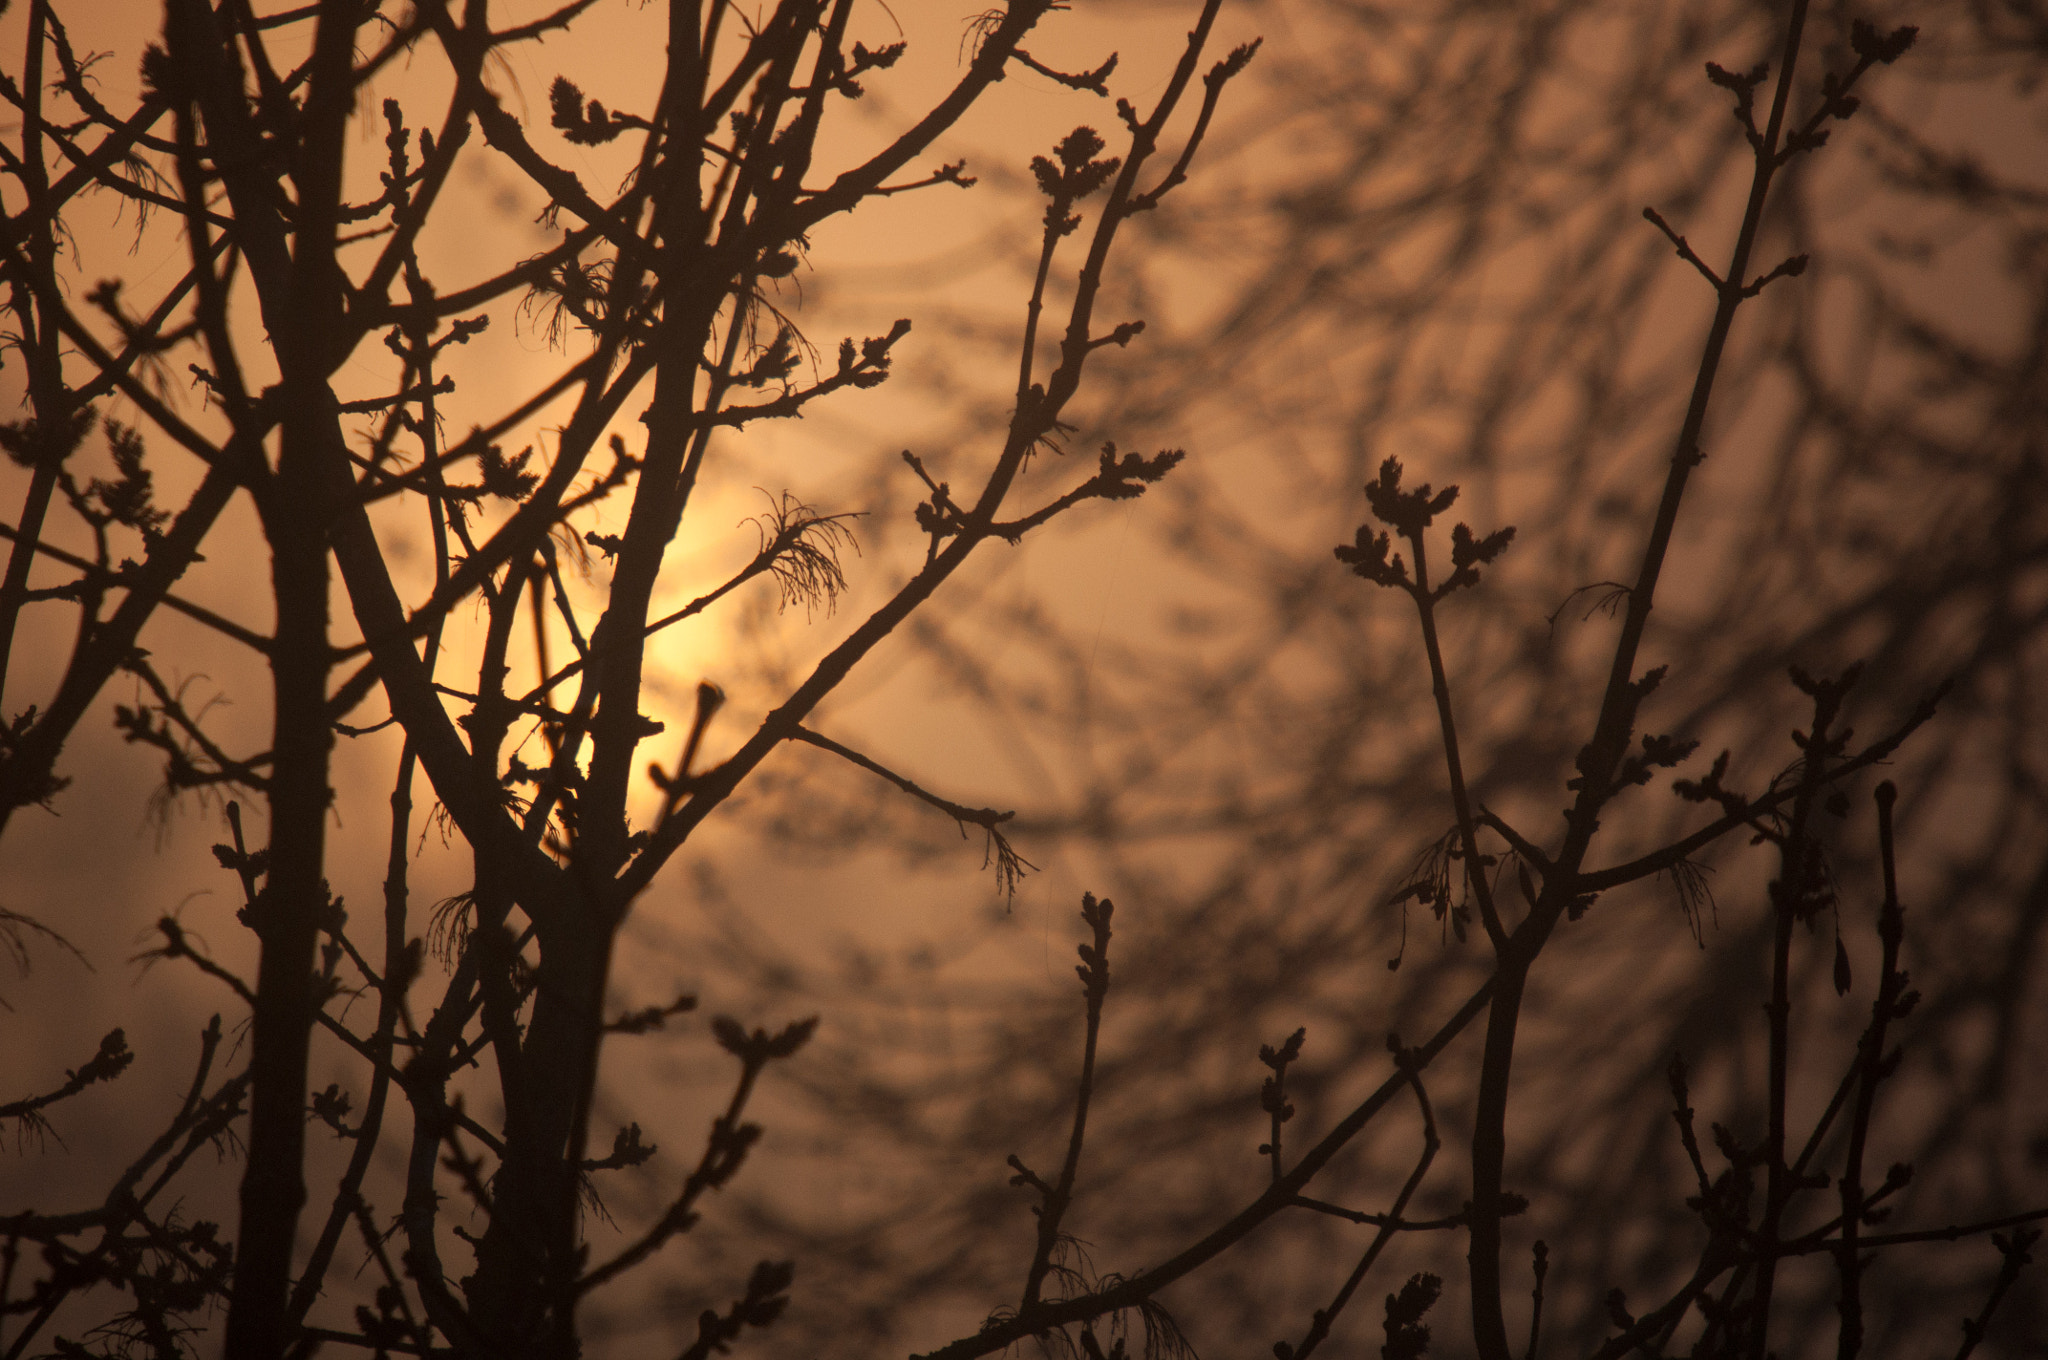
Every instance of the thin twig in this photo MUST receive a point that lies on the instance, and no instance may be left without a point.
(1055, 1199)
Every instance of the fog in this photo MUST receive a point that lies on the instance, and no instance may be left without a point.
(1415, 231)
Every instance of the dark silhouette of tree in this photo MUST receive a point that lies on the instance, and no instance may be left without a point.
(1441, 256)
(1281, 874)
(668, 292)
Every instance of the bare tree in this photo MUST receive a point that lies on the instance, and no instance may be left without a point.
(670, 289)
(670, 284)
(1461, 276)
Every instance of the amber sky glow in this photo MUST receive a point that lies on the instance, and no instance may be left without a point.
(111, 861)
(1281, 427)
